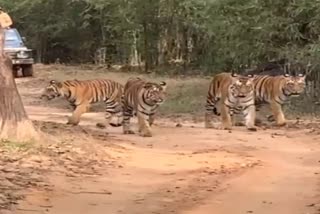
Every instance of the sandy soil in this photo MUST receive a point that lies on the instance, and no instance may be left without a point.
(182, 169)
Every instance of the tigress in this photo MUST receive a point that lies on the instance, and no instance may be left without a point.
(275, 90)
(81, 94)
(235, 94)
(142, 98)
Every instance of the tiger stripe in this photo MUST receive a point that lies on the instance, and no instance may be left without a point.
(276, 91)
(82, 93)
(142, 98)
(234, 94)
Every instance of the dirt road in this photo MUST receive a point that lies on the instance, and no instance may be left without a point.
(285, 183)
(191, 170)
(182, 169)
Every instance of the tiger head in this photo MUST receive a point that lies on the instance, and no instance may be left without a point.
(294, 85)
(155, 93)
(53, 90)
(242, 86)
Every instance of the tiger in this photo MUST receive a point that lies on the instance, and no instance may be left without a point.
(143, 99)
(276, 90)
(81, 94)
(235, 94)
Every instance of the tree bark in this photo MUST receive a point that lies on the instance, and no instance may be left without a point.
(14, 122)
(146, 48)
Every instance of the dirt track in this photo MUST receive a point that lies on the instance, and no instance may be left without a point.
(185, 170)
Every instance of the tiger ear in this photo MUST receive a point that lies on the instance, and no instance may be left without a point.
(163, 85)
(250, 76)
(148, 85)
(53, 82)
(302, 77)
(286, 75)
(233, 74)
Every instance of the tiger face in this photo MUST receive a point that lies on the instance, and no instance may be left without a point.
(52, 90)
(242, 86)
(294, 85)
(155, 93)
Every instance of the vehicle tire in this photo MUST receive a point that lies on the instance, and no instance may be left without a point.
(27, 70)
(15, 71)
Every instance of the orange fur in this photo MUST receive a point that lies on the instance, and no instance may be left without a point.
(275, 90)
(81, 94)
(233, 94)
(143, 98)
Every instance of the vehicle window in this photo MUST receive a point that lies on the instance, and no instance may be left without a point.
(10, 35)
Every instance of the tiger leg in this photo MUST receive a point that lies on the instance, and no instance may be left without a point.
(236, 119)
(79, 110)
(270, 118)
(127, 114)
(209, 120)
(211, 110)
(114, 110)
(144, 126)
(151, 119)
(250, 114)
(258, 120)
(119, 119)
(226, 117)
(278, 114)
(110, 116)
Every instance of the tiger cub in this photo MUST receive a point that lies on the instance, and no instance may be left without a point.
(276, 90)
(234, 94)
(142, 98)
(81, 94)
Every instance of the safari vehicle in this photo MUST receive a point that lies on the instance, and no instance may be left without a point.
(20, 55)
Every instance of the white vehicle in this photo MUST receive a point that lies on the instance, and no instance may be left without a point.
(20, 55)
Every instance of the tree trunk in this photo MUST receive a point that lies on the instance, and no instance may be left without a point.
(134, 56)
(185, 49)
(14, 122)
(146, 48)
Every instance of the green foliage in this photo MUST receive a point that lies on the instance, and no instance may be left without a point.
(207, 34)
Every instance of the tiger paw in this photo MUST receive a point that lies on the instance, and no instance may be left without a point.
(270, 118)
(281, 124)
(146, 134)
(209, 125)
(151, 122)
(128, 132)
(239, 123)
(225, 127)
(72, 123)
(253, 129)
(115, 124)
(101, 125)
(258, 122)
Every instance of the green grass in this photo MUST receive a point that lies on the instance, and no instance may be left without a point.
(16, 146)
(185, 96)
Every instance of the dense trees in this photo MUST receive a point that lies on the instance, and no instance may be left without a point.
(202, 34)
